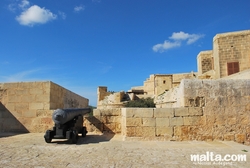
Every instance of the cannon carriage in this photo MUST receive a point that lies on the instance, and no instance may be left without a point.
(68, 124)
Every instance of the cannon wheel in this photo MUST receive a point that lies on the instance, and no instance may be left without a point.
(84, 131)
(48, 140)
(74, 137)
(48, 136)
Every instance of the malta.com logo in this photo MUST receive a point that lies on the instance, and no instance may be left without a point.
(209, 158)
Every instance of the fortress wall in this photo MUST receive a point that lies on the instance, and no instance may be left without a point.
(28, 106)
(207, 110)
(187, 123)
(63, 98)
(220, 92)
(108, 120)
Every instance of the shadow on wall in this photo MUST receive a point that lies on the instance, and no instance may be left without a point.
(93, 124)
(9, 124)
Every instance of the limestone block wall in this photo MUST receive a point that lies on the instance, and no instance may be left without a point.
(63, 98)
(158, 123)
(104, 120)
(220, 92)
(28, 106)
(187, 123)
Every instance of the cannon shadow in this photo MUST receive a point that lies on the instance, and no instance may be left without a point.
(93, 124)
(89, 139)
(95, 138)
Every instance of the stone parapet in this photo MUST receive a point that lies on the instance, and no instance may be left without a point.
(159, 123)
(176, 124)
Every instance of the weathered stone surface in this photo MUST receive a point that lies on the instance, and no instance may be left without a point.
(46, 121)
(113, 119)
(150, 122)
(163, 112)
(176, 121)
(231, 120)
(195, 111)
(164, 131)
(148, 131)
(96, 112)
(109, 112)
(240, 138)
(181, 131)
(139, 112)
(162, 122)
(192, 120)
(30, 113)
(130, 132)
(138, 132)
(182, 111)
(111, 127)
(133, 122)
(229, 137)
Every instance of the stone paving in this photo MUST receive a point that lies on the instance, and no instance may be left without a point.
(109, 151)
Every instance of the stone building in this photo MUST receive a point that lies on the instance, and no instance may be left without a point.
(229, 59)
(230, 55)
(156, 84)
(28, 106)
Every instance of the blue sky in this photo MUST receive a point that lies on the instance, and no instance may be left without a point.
(83, 44)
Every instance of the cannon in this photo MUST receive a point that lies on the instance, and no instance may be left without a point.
(68, 124)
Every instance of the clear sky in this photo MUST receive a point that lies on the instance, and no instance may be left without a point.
(83, 44)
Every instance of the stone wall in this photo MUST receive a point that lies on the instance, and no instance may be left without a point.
(204, 110)
(104, 120)
(175, 124)
(205, 62)
(158, 123)
(63, 98)
(28, 106)
(220, 92)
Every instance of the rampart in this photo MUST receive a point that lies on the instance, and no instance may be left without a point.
(27, 106)
(205, 110)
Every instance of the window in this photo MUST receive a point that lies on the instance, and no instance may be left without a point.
(232, 67)
(164, 82)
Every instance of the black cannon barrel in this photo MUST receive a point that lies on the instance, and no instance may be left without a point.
(61, 116)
